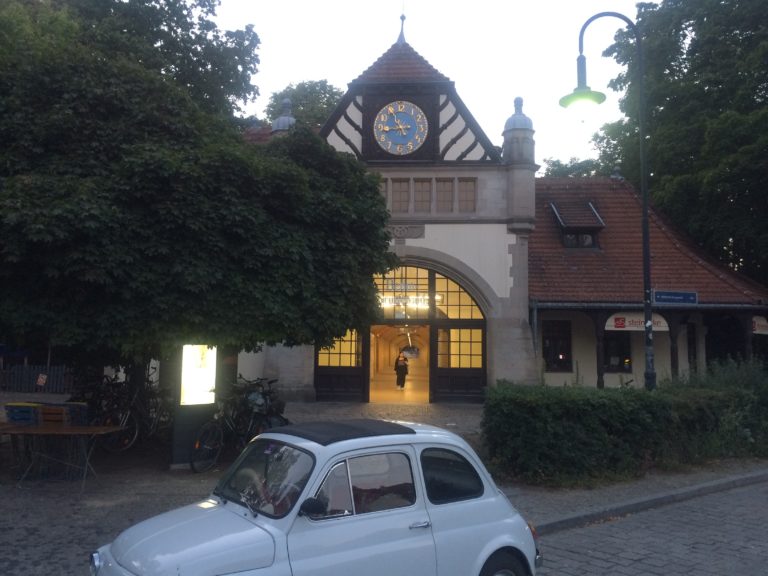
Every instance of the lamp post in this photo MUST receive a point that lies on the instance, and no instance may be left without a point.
(583, 92)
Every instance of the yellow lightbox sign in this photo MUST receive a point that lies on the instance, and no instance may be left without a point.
(198, 375)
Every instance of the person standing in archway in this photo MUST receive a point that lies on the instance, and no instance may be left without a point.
(401, 369)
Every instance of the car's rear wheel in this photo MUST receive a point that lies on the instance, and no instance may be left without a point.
(503, 564)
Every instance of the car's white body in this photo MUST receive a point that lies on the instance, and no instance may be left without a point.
(220, 537)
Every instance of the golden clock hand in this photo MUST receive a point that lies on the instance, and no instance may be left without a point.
(401, 127)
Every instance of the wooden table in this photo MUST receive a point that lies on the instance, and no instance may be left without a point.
(78, 442)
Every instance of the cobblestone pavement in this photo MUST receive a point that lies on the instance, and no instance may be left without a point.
(49, 528)
(719, 533)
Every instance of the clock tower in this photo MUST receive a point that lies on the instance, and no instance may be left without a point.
(402, 110)
(460, 212)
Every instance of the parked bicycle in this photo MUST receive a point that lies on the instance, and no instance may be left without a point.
(247, 410)
(142, 410)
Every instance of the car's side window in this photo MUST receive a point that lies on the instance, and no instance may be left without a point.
(367, 484)
(381, 482)
(449, 477)
(335, 492)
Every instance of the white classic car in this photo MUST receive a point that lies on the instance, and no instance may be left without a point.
(352, 497)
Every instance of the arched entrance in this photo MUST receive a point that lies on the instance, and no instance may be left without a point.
(430, 317)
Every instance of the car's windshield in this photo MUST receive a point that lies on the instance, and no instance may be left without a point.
(268, 477)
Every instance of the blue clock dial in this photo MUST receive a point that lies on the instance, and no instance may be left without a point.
(400, 127)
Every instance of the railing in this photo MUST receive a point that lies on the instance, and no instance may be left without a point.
(35, 378)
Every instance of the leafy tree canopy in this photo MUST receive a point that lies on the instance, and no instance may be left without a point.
(311, 102)
(706, 84)
(134, 217)
(573, 168)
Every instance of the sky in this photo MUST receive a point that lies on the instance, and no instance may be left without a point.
(493, 51)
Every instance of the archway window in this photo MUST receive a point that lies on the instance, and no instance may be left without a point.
(404, 294)
(452, 301)
(346, 351)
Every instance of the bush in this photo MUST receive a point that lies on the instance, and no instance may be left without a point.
(582, 435)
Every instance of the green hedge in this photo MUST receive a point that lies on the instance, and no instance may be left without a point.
(577, 435)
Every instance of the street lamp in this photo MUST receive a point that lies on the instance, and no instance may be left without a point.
(583, 92)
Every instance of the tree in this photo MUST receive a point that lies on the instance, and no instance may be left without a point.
(133, 216)
(311, 102)
(573, 168)
(707, 121)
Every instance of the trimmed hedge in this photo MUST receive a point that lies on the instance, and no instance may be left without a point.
(577, 435)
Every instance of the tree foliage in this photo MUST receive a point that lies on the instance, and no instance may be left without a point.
(133, 216)
(574, 168)
(311, 102)
(706, 97)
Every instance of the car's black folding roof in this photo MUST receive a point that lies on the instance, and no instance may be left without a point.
(329, 432)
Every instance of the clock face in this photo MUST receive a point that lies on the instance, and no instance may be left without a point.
(400, 127)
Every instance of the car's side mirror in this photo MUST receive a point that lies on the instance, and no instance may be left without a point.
(312, 507)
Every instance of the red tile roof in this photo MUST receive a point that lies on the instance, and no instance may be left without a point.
(613, 272)
(401, 63)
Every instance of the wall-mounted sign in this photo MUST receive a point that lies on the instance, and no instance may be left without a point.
(675, 297)
(198, 375)
(635, 321)
(759, 325)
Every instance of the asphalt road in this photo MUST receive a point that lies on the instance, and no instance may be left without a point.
(721, 533)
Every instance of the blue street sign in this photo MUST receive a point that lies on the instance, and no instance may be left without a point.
(674, 297)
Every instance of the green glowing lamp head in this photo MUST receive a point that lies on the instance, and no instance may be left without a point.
(582, 92)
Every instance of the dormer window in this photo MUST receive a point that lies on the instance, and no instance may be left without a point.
(581, 240)
(579, 223)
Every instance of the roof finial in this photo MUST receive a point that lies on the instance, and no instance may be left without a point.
(401, 38)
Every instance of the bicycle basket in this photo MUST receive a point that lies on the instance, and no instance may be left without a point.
(256, 400)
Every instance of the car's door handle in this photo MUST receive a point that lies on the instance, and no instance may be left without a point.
(424, 524)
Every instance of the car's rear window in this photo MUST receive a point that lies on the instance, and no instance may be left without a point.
(449, 477)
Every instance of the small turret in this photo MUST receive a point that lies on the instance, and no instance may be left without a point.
(286, 120)
(519, 146)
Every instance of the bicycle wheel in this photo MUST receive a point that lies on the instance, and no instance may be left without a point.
(123, 438)
(207, 447)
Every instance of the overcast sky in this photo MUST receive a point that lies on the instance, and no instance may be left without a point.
(493, 50)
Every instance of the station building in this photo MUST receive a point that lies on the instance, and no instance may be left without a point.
(505, 276)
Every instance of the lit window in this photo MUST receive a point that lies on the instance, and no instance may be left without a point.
(346, 351)
(460, 348)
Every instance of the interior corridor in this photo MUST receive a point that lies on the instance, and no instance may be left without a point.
(386, 343)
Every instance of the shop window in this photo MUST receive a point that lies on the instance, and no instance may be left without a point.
(460, 348)
(401, 195)
(346, 352)
(444, 189)
(618, 351)
(467, 195)
(422, 195)
(556, 340)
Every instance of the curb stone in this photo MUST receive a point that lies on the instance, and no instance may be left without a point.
(639, 505)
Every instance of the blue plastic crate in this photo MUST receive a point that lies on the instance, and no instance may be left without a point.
(22, 412)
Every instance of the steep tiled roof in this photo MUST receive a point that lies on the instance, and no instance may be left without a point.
(612, 272)
(401, 63)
